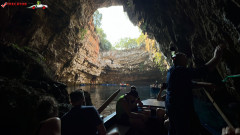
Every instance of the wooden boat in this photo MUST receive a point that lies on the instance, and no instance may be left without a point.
(109, 84)
(111, 123)
(123, 85)
(112, 126)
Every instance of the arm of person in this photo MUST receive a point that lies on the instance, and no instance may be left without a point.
(216, 58)
(126, 108)
(101, 129)
(139, 102)
(51, 126)
(159, 97)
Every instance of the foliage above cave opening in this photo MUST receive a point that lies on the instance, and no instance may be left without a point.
(105, 45)
(130, 43)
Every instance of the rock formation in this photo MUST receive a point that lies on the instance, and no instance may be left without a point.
(61, 34)
(133, 66)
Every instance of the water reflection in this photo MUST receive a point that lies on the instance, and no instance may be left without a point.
(100, 93)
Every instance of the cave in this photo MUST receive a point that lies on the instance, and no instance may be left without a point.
(41, 49)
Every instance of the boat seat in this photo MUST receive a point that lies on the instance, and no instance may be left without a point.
(121, 129)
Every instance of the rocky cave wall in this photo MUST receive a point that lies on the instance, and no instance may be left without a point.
(195, 27)
(132, 66)
(63, 34)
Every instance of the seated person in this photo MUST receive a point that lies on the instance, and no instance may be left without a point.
(81, 120)
(162, 87)
(47, 113)
(127, 111)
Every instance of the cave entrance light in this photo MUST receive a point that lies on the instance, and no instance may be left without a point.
(115, 24)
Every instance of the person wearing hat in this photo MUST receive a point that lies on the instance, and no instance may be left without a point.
(127, 111)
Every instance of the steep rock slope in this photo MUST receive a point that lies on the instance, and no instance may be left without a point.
(133, 66)
(195, 27)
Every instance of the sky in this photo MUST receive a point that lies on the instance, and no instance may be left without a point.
(117, 25)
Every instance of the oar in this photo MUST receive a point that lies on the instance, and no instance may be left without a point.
(219, 110)
(108, 101)
(230, 76)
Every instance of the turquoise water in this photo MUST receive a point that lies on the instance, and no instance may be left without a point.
(100, 93)
(209, 116)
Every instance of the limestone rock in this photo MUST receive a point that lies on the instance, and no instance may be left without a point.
(133, 66)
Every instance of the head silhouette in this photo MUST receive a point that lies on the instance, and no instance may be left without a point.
(180, 59)
(77, 97)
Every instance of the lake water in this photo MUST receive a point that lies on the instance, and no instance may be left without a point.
(100, 93)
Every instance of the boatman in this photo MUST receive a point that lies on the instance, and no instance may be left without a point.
(179, 99)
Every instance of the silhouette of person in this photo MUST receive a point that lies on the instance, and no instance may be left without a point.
(179, 99)
(47, 113)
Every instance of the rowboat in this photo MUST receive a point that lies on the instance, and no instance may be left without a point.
(206, 127)
(123, 85)
(112, 126)
(109, 84)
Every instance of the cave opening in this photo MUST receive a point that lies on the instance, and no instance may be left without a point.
(42, 48)
(125, 49)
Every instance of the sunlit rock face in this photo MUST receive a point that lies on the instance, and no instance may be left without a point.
(132, 66)
(84, 62)
(61, 34)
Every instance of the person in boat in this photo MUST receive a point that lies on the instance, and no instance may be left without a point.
(156, 84)
(47, 114)
(163, 86)
(127, 109)
(179, 99)
(81, 119)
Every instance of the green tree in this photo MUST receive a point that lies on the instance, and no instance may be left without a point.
(159, 60)
(97, 18)
(126, 43)
(141, 39)
(104, 43)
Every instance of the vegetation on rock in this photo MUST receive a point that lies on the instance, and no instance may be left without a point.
(152, 47)
(105, 45)
(129, 43)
